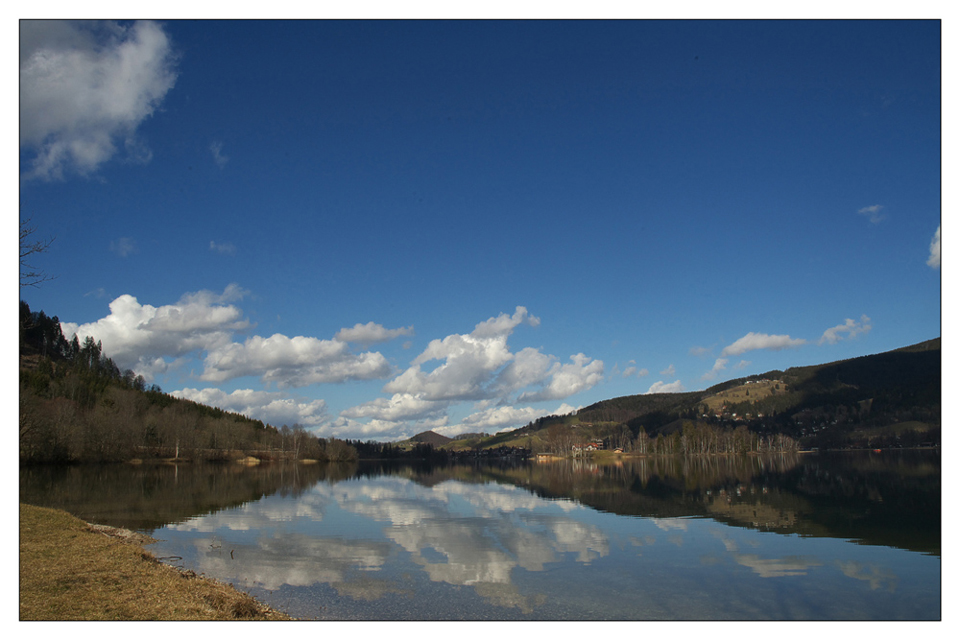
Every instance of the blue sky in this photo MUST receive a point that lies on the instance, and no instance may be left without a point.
(377, 228)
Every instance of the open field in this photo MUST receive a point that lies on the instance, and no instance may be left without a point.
(70, 570)
(750, 392)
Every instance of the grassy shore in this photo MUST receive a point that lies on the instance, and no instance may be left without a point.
(70, 570)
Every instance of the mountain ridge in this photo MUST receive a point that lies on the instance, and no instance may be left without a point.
(890, 398)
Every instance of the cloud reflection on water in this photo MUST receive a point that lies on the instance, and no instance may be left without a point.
(875, 576)
(371, 538)
(458, 533)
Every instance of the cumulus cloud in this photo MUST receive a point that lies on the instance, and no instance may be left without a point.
(528, 367)
(504, 324)
(371, 333)
(872, 213)
(470, 362)
(344, 427)
(399, 407)
(669, 371)
(138, 336)
(718, 366)
(271, 407)
(850, 327)
(934, 259)
(495, 418)
(665, 387)
(85, 88)
(501, 418)
(292, 362)
(632, 370)
(478, 367)
(753, 341)
(141, 337)
(566, 380)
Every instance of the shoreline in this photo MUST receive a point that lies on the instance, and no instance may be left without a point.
(74, 570)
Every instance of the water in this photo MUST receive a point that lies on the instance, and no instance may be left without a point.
(810, 537)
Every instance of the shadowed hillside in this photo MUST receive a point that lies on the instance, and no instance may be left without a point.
(885, 400)
(76, 405)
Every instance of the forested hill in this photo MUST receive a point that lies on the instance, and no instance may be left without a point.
(77, 405)
(888, 399)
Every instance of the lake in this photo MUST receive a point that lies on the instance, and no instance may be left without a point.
(839, 536)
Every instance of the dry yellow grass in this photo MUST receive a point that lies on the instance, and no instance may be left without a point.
(744, 393)
(70, 570)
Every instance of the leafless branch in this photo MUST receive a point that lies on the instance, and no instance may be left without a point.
(30, 276)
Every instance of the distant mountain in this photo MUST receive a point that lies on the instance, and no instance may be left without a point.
(431, 438)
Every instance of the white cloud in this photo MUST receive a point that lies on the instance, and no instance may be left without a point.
(528, 367)
(216, 148)
(123, 247)
(344, 427)
(469, 362)
(478, 367)
(141, 337)
(293, 362)
(399, 407)
(371, 333)
(664, 387)
(718, 366)
(632, 371)
(566, 380)
(934, 259)
(271, 407)
(743, 364)
(669, 371)
(753, 341)
(136, 336)
(501, 419)
(699, 351)
(494, 419)
(223, 248)
(504, 324)
(873, 213)
(850, 327)
(85, 87)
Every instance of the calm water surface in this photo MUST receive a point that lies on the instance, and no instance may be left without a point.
(823, 537)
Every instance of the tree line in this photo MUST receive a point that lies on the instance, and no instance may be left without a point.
(76, 405)
(692, 438)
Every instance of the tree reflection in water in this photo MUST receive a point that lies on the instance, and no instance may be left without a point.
(659, 537)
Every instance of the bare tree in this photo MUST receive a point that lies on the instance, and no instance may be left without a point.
(30, 276)
(299, 436)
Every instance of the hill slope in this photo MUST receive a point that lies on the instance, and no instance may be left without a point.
(888, 399)
(432, 438)
(76, 405)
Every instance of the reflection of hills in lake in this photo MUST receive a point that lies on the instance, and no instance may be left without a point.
(891, 499)
(145, 497)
